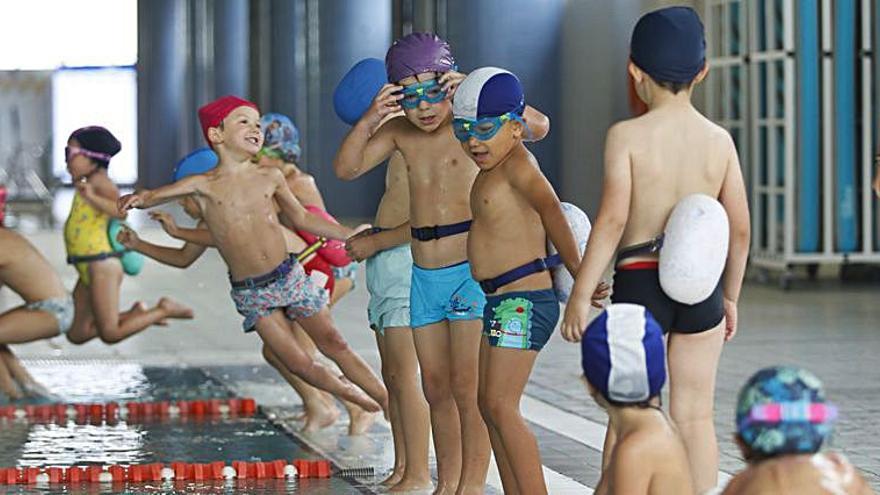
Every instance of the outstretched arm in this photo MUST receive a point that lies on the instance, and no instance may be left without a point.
(302, 219)
(147, 198)
(181, 257)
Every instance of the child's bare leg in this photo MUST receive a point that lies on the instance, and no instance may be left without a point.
(7, 383)
(318, 414)
(18, 371)
(21, 325)
(465, 339)
(693, 364)
(394, 416)
(106, 279)
(507, 373)
(341, 287)
(508, 479)
(276, 334)
(403, 370)
(83, 328)
(433, 348)
(321, 329)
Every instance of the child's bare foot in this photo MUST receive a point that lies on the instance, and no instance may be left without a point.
(320, 418)
(139, 307)
(359, 420)
(445, 489)
(37, 390)
(395, 477)
(412, 485)
(175, 310)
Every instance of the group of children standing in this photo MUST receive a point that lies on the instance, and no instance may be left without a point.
(457, 262)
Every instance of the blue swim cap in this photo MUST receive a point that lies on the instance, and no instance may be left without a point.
(197, 162)
(355, 92)
(623, 355)
(488, 92)
(669, 44)
(782, 410)
(280, 137)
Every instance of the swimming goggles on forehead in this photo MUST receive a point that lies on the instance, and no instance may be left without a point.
(789, 412)
(482, 129)
(429, 91)
(72, 151)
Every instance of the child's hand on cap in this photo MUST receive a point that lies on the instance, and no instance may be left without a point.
(386, 102)
(450, 81)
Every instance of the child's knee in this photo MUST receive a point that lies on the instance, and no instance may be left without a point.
(331, 343)
(270, 356)
(464, 386)
(109, 334)
(496, 409)
(436, 386)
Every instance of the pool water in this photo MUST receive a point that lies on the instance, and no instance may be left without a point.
(185, 439)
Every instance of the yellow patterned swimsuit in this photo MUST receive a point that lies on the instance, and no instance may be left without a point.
(85, 234)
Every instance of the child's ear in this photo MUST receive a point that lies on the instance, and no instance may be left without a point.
(635, 72)
(518, 129)
(215, 135)
(702, 74)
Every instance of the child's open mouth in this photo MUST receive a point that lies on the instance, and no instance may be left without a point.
(253, 140)
(427, 120)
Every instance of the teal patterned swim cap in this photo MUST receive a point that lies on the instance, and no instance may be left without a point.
(782, 410)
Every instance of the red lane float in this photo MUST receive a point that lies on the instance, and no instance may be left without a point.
(130, 411)
(176, 471)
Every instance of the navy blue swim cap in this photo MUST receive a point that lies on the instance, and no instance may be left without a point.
(669, 45)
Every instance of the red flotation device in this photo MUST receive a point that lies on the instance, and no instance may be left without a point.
(333, 251)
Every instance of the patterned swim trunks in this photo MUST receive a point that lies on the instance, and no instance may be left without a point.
(293, 292)
(59, 307)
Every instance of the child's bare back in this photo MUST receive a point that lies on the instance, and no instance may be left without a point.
(394, 206)
(672, 152)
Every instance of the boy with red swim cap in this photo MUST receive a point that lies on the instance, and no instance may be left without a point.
(237, 200)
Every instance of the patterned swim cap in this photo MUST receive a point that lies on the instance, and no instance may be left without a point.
(782, 410)
(280, 137)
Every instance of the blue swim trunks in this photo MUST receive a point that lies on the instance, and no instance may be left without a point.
(522, 319)
(448, 293)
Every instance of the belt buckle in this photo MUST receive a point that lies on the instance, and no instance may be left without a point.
(542, 264)
(488, 287)
(431, 233)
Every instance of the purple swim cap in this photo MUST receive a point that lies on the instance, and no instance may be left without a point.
(417, 53)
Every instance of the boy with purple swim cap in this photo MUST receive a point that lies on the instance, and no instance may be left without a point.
(445, 302)
(624, 363)
(651, 163)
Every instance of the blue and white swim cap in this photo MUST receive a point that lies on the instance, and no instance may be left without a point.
(488, 92)
(623, 355)
(197, 162)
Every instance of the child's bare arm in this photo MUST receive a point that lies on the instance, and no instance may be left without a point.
(367, 145)
(733, 198)
(199, 235)
(538, 124)
(147, 198)
(181, 257)
(536, 189)
(606, 233)
(302, 219)
(101, 193)
(368, 243)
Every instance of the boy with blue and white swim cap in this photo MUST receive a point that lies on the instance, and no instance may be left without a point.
(623, 359)
(512, 204)
(670, 156)
(446, 304)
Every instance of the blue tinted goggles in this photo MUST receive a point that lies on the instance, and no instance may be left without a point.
(429, 91)
(483, 129)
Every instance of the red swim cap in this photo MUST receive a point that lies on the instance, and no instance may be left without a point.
(212, 114)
